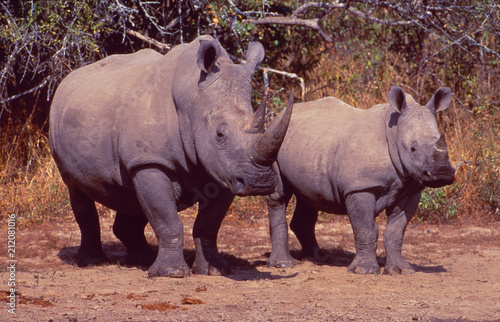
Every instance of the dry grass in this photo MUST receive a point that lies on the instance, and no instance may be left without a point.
(30, 184)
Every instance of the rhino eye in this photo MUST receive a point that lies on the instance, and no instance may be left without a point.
(220, 135)
(414, 146)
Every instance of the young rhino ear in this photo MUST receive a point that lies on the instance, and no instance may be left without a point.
(397, 98)
(440, 101)
(255, 55)
(208, 53)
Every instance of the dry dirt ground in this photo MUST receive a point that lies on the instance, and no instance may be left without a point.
(457, 278)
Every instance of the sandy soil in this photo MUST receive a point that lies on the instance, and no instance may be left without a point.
(457, 277)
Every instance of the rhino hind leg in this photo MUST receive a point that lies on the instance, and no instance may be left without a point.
(361, 210)
(90, 252)
(303, 226)
(129, 229)
(208, 260)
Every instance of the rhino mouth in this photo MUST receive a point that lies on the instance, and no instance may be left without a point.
(246, 184)
(438, 183)
(436, 180)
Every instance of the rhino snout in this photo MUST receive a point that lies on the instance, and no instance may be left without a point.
(238, 186)
(438, 178)
(254, 182)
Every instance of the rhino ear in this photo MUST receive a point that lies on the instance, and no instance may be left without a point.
(397, 98)
(208, 53)
(255, 54)
(440, 101)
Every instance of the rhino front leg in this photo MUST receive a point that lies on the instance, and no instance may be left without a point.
(212, 210)
(155, 193)
(397, 221)
(129, 229)
(276, 205)
(361, 210)
(90, 252)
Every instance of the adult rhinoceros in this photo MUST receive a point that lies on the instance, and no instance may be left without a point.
(339, 159)
(149, 135)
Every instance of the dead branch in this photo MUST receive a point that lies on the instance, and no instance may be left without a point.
(369, 17)
(310, 23)
(309, 5)
(148, 40)
(265, 70)
(296, 21)
(329, 7)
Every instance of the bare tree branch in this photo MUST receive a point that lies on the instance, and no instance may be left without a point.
(369, 17)
(314, 23)
(310, 23)
(265, 70)
(151, 41)
(309, 5)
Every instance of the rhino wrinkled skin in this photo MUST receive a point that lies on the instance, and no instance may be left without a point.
(339, 159)
(148, 135)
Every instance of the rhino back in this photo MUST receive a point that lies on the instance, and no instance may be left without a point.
(96, 112)
(332, 149)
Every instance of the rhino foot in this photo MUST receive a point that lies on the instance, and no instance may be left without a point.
(364, 270)
(396, 270)
(208, 260)
(169, 264)
(84, 258)
(400, 268)
(364, 267)
(212, 270)
(213, 264)
(282, 260)
(281, 264)
(169, 271)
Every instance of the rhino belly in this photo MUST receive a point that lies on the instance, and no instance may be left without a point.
(310, 181)
(100, 182)
(86, 157)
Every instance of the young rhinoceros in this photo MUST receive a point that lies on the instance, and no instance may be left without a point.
(339, 159)
(149, 135)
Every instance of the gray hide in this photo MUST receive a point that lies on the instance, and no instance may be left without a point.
(339, 159)
(149, 135)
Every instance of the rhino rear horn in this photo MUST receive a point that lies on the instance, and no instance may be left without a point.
(259, 117)
(268, 144)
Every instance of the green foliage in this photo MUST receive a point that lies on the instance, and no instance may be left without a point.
(436, 205)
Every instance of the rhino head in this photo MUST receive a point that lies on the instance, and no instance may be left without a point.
(421, 149)
(228, 138)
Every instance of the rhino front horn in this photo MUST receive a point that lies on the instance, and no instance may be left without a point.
(268, 144)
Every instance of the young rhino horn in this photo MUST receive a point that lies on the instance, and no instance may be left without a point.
(441, 143)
